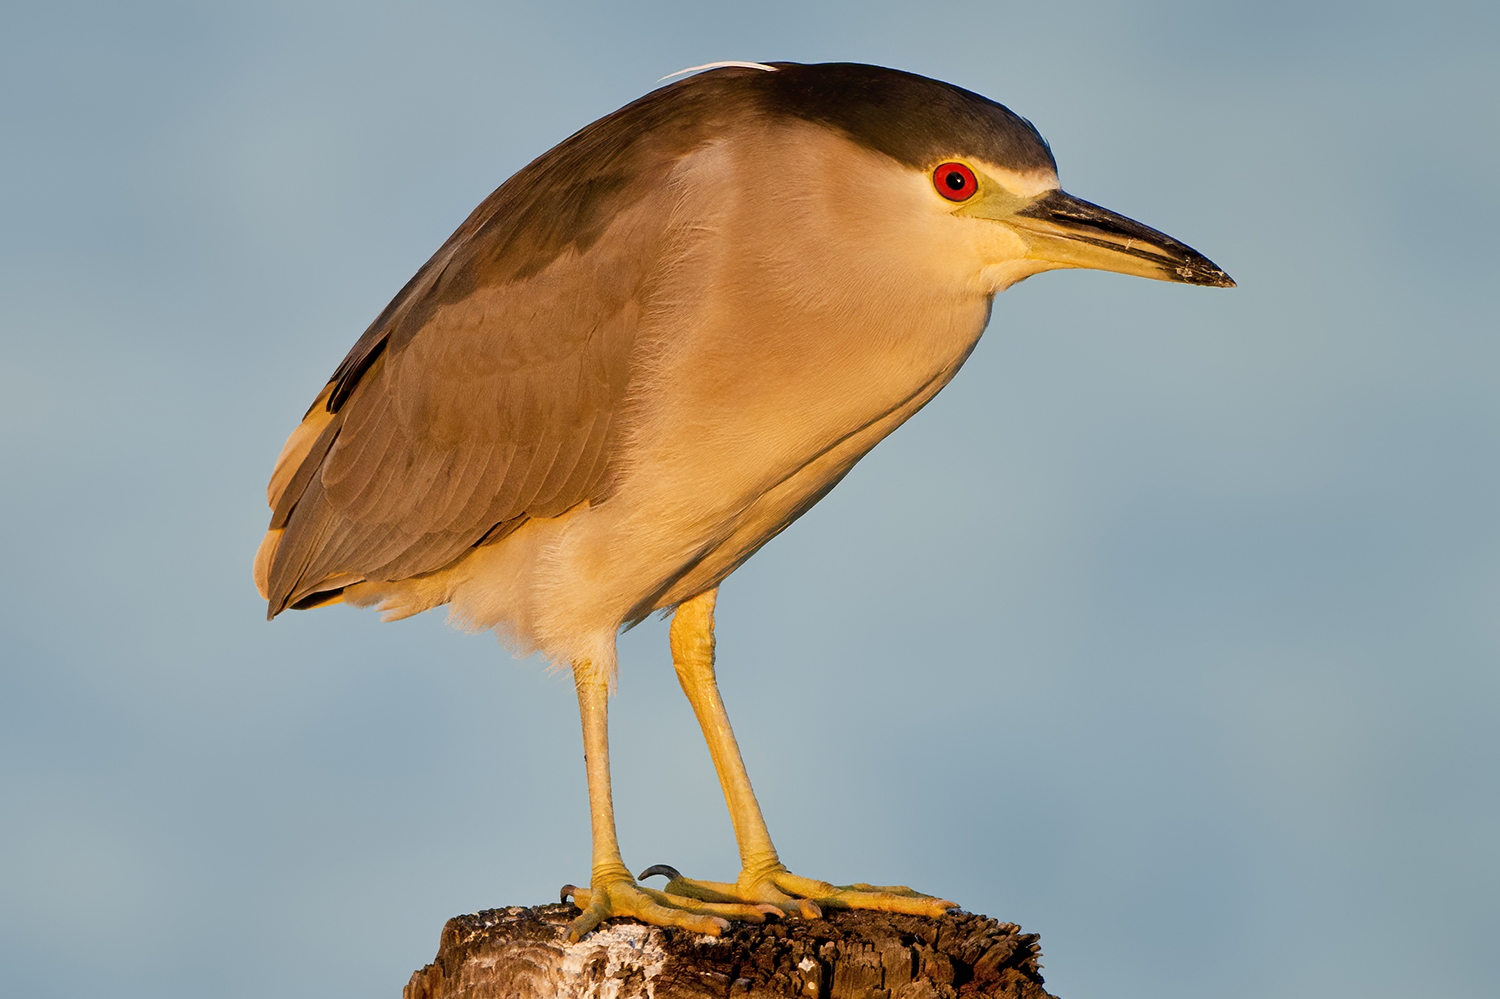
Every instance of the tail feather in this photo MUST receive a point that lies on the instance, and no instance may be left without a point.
(295, 468)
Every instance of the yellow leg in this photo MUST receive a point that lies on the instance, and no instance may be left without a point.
(612, 891)
(763, 878)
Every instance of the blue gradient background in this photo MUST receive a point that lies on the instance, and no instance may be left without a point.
(1169, 630)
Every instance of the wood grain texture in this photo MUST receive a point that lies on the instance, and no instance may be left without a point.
(520, 953)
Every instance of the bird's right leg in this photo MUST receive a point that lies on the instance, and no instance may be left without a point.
(612, 891)
(763, 877)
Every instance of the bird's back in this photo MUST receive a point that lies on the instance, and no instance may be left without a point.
(486, 392)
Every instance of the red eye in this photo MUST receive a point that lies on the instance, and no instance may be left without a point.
(955, 181)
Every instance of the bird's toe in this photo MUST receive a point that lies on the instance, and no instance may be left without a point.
(623, 899)
(779, 890)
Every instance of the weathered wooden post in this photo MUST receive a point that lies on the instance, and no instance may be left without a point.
(521, 953)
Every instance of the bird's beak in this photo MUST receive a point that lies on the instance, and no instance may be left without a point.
(1065, 231)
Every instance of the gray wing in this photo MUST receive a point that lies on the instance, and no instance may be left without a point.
(480, 401)
(491, 388)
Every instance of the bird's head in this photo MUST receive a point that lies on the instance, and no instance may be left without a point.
(953, 174)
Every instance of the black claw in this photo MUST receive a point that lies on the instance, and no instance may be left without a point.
(567, 892)
(671, 873)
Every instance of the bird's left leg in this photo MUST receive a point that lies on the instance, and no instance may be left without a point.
(612, 891)
(763, 877)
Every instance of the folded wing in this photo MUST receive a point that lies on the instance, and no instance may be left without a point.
(492, 388)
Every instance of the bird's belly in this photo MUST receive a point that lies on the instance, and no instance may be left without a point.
(733, 438)
(727, 467)
(771, 512)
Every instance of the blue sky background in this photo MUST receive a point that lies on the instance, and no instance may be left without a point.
(1168, 631)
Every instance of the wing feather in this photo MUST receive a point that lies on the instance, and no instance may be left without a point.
(493, 387)
(570, 453)
(499, 408)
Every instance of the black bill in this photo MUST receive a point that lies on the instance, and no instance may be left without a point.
(1071, 232)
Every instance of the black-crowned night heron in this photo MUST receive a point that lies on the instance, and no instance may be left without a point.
(643, 357)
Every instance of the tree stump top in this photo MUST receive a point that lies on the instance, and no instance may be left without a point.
(522, 953)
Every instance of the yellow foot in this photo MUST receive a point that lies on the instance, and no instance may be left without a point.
(804, 897)
(623, 897)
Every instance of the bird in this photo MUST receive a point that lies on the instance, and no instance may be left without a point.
(646, 354)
